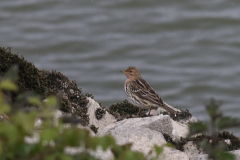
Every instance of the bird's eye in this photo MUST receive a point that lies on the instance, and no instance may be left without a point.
(130, 71)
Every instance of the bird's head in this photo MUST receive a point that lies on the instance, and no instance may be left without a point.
(132, 73)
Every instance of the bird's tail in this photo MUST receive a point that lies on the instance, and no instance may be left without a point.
(169, 108)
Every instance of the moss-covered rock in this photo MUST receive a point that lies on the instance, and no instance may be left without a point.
(99, 113)
(94, 129)
(29, 76)
(182, 115)
(124, 110)
(44, 83)
(220, 137)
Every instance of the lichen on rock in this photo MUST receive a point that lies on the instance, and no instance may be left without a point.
(99, 113)
(124, 110)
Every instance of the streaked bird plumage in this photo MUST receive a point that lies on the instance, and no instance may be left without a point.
(140, 93)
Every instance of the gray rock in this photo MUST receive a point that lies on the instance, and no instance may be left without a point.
(192, 119)
(165, 124)
(103, 155)
(191, 150)
(194, 153)
(146, 132)
(200, 157)
(137, 132)
(173, 154)
(105, 120)
(237, 154)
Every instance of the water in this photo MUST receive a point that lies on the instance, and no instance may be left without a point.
(187, 50)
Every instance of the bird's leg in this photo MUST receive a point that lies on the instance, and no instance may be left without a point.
(138, 112)
(149, 111)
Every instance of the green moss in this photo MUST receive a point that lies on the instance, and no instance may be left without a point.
(44, 83)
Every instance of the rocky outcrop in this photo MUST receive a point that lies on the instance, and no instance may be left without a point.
(144, 133)
(193, 152)
(173, 154)
(236, 154)
(136, 131)
(98, 117)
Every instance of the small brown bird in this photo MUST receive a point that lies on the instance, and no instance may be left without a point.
(140, 93)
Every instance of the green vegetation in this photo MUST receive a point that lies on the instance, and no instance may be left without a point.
(21, 139)
(209, 135)
(28, 94)
(214, 143)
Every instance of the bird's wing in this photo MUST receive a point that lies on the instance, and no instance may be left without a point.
(145, 92)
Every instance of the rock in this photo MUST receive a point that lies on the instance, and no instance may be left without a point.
(191, 150)
(197, 154)
(200, 157)
(227, 141)
(237, 154)
(103, 155)
(192, 119)
(155, 111)
(146, 132)
(137, 132)
(165, 124)
(98, 116)
(173, 154)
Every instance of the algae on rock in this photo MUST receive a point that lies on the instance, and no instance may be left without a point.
(44, 83)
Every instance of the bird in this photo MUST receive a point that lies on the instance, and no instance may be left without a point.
(141, 94)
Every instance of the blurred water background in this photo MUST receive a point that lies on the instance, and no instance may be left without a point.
(189, 50)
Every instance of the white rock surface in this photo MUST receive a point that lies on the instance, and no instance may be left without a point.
(237, 154)
(191, 150)
(103, 155)
(155, 112)
(165, 124)
(137, 132)
(144, 133)
(173, 154)
(101, 123)
(200, 157)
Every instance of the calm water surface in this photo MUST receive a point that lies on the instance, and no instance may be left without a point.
(187, 50)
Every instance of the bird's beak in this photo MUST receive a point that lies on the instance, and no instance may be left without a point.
(122, 71)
